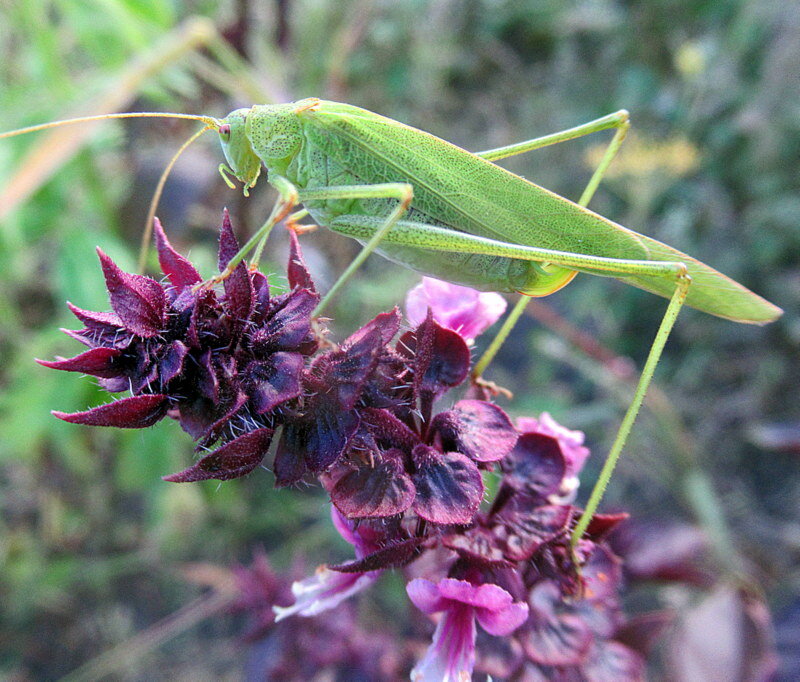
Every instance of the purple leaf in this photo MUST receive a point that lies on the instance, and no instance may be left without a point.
(138, 300)
(477, 545)
(478, 429)
(222, 417)
(529, 526)
(571, 442)
(288, 324)
(315, 443)
(602, 575)
(611, 661)
(449, 486)
(441, 357)
(136, 412)
(204, 320)
(392, 556)
(170, 364)
(96, 321)
(98, 362)
(603, 524)
(384, 426)
(261, 300)
(289, 465)
(274, 381)
(179, 271)
(239, 295)
(348, 369)
(296, 270)
(553, 638)
(233, 460)
(375, 491)
(386, 324)
(535, 466)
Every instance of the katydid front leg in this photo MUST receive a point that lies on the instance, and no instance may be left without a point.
(290, 196)
(419, 235)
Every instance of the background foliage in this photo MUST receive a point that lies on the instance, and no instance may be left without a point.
(94, 546)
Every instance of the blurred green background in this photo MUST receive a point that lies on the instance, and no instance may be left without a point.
(94, 546)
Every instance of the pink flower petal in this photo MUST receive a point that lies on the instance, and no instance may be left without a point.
(487, 596)
(503, 622)
(464, 310)
(451, 655)
(426, 596)
(324, 590)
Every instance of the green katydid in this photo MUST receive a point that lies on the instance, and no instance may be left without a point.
(455, 215)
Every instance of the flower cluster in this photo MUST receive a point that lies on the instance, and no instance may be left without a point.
(226, 367)
(241, 367)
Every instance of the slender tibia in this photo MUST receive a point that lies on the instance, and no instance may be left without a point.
(681, 289)
(619, 120)
(288, 198)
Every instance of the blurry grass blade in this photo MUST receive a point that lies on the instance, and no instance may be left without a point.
(59, 145)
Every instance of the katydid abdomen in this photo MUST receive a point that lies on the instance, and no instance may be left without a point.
(326, 160)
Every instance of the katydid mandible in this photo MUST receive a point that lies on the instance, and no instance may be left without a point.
(436, 208)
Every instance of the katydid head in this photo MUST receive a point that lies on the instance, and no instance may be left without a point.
(242, 160)
(269, 133)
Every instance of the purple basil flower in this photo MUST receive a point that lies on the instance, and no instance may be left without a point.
(366, 423)
(464, 310)
(327, 588)
(572, 447)
(225, 366)
(451, 656)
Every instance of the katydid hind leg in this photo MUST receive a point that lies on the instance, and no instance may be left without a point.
(654, 355)
(415, 233)
(620, 122)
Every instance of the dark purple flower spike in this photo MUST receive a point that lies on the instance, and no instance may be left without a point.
(226, 367)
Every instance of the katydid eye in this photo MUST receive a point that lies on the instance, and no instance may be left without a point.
(225, 132)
